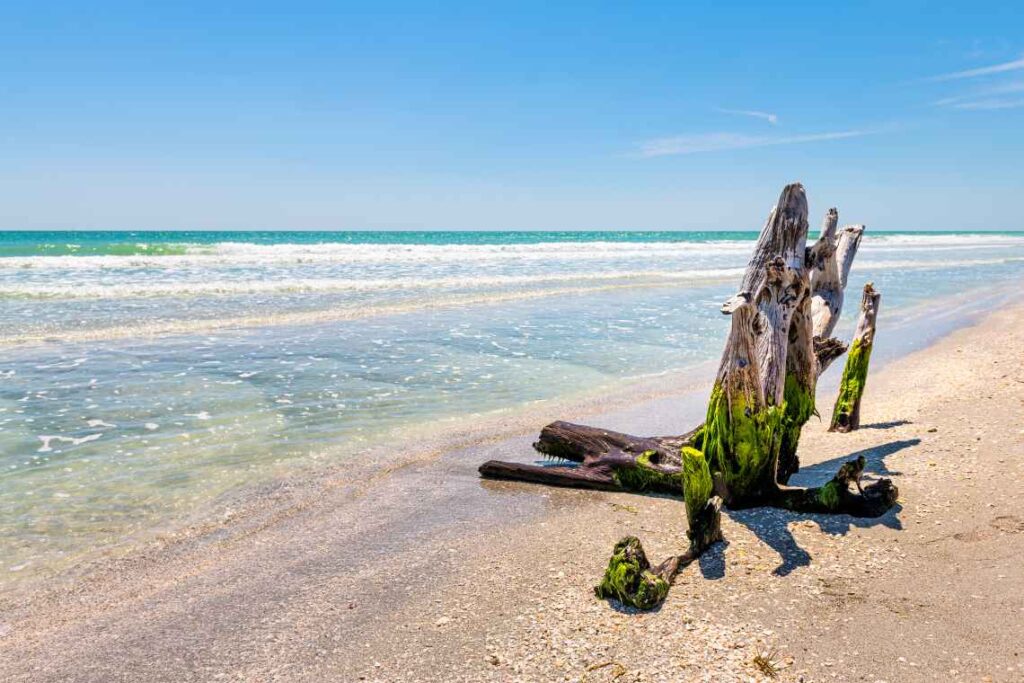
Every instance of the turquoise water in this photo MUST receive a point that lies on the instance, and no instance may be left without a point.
(98, 242)
(142, 242)
(145, 374)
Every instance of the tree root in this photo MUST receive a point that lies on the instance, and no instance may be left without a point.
(611, 461)
(632, 580)
(608, 461)
(873, 500)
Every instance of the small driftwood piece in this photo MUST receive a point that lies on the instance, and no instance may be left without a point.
(629, 576)
(846, 416)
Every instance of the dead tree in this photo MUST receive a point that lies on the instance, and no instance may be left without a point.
(828, 262)
(613, 461)
(826, 290)
(762, 395)
(832, 256)
(846, 250)
(846, 416)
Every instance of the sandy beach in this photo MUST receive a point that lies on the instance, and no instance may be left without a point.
(314, 315)
(427, 573)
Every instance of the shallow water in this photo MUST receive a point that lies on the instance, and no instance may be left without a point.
(295, 346)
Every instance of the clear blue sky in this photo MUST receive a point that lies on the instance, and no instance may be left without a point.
(538, 115)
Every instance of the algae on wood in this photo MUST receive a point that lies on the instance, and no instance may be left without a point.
(846, 416)
(762, 395)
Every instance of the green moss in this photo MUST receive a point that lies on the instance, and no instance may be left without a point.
(629, 578)
(799, 401)
(740, 442)
(697, 440)
(697, 484)
(851, 388)
(828, 495)
(645, 477)
(799, 407)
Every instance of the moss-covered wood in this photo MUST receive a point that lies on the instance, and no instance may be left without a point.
(629, 577)
(798, 388)
(590, 458)
(741, 437)
(829, 261)
(843, 493)
(799, 402)
(763, 394)
(846, 415)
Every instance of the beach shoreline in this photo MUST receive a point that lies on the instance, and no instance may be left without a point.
(495, 586)
(173, 393)
(677, 396)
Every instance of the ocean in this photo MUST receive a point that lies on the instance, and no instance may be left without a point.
(146, 374)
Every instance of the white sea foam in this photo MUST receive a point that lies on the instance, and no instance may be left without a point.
(959, 240)
(240, 253)
(301, 285)
(258, 283)
(48, 439)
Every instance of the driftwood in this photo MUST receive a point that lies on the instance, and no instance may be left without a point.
(834, 256)
(609, 461)
(827, 350)
(846, 416)
(826, 290)
(827, 266)
(762, 395)
(846, 250)
(601, 453)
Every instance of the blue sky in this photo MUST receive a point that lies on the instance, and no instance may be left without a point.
(530, 115)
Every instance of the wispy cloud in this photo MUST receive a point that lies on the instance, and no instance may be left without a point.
(991, 104)
(987, 99)
(1005, 67)
(767, 116)
(714, 142)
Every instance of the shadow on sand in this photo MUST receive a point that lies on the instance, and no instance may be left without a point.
(771, 525)
(886, 425)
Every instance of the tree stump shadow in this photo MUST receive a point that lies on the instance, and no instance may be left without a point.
(886, 425)
(771, 525)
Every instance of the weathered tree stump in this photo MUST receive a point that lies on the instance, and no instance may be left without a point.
(828, 263)
(846, 416)
(762, 395)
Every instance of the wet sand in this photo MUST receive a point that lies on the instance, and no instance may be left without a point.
(430, 574)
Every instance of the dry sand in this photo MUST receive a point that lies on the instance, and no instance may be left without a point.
(430, 574)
